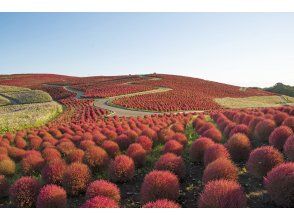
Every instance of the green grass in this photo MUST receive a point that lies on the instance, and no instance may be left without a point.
(18, 117)
(26, 97)
(4, 101)
(12, 89)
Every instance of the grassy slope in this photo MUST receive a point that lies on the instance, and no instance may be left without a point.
(4, 101)
(26, 97)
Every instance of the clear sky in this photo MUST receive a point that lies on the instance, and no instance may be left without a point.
(245, 49)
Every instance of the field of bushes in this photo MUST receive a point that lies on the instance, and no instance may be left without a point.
(223, 158)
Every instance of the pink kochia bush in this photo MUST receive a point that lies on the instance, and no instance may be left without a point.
(162, 203)
(23, 193)
(103, 188)
(222, 194)
(53, 171)
(100, 202)
(279, 136)
(146, 142)
(172, 163)
(198, 148)
(121, 169)
(51, 196)
(111, 148)
(214, 152)
(213, 134)
(221, 168)
(289, 148)
(172, 146)
(279, 183)
(76, 178)
(159, 185)
(137, 153)
(262, 160)
(263, 130)
(239, 147)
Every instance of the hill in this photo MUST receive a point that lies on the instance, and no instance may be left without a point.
(282, 89)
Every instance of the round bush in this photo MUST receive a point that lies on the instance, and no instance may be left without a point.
(146, 142)
(150, 133)
(51, 196)
(289, 148)
(172, 163)
(172, 146)
(137, 153)
(75, 156)
(53, 171)
(222, 194)
(165, 134)
(263, 130)
(76, 178)
(253, 123)
(289, 122)
(15, 153)
(239, 147)
(262, 160)
(162, 203)
(159, 185)
(205, 127)
(111, 148)
(7, 166)
(279, 183)
(20, 142)
(4, 187)
(50, 154)
(100, 202)
(280, 117)
(24, 191)
(214, 152)
(121, 169)
(198, 148)
(221, 168)
(123, 141)
(228, 129)
(214, 134)
(103, 188)
(177, 127)
(180, 137)
(96, 158)
(279, 136)
(32, 163)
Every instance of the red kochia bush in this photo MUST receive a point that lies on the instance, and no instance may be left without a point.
(205, 127)
(172, 146)
(239, 147)
(76, 178)
(53, 171)
(50, 154)
(159, 185)
(75, 156)
(180, 137)
(240, 129)
(150, 133)
(96, 158)
(213, 134)
(111, 148)
(103, 188)
(280, 117)
(146, 142)
(198, 148)
(222, 194)
(121, 169)
(32, 163)
(172, 163)
(15, 153)
(162, 203)
(279, 183)
(214, 152)
(137, 153)
(289, 122)
(23, 193)
(51, 196)
(123, 141)
(289, 148)
(221, 168)
(279, 136)
(263, 130)
(100, 202)
(20, 142)
(4, 187)
(262, 160)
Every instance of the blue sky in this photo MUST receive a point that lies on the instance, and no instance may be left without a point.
(245, 49)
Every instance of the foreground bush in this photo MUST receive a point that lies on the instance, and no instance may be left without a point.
(23, 193)
(279, 183)
(100, 202)
(279, 136)
(159, 185)
(221, 168)
(172, 146)
(103, 188)
(111, 148)
(121, 169)
(7, 166)
(239, 147)
(222, 194)
(214, 152)
(172, 163)
(51, 196)
(162, 203)
(76, 178)
(262, 160)
(198, 148)
(137, 153)
(289, 148)
(53, 171)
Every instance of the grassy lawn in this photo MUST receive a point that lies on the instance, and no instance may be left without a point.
(255, 101)
(12, 89)
(4, 101)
